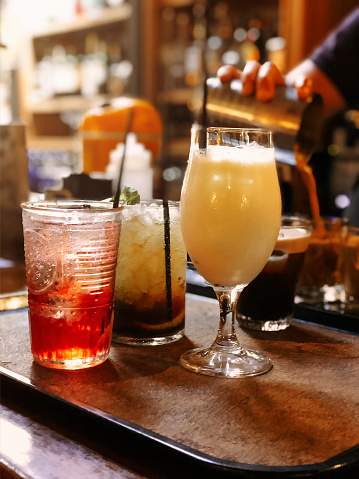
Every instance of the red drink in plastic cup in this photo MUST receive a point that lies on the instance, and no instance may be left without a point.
(71, 255)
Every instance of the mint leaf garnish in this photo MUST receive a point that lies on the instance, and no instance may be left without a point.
(130, 196)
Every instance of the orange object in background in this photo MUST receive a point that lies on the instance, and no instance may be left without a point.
(102, 128)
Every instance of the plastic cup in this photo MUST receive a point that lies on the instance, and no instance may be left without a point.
(70, 254)
(151, 275)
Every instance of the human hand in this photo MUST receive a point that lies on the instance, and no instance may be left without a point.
(262, 80)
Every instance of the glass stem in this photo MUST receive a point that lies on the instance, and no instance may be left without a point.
(226, 336)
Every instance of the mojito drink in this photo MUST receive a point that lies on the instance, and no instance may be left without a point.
(151, 275)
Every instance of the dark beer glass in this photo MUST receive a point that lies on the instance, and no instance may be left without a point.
(267, 302)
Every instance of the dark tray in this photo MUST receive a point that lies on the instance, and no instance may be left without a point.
(299, 420)
(315, 314)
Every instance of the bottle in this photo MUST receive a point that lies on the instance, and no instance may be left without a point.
(44, 76)
(102, 128)
(137, 171)
(94, 66)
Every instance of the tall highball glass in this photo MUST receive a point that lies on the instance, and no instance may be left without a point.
(230, 220)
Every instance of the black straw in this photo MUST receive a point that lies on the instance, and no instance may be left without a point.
(167, 236)
(204, 120)
(202, 133)
(128, 130)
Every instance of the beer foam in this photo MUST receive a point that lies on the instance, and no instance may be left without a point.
(251, 153)
(292, 240)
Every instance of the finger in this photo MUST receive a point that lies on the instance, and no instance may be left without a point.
(228, 73)
(304, 87)
(249, 76)
(268, 77)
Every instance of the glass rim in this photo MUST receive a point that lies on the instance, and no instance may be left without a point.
(302, 221)
(231, 136)
(306, 227)
(70, 206)
(155, 202)
(239, 129)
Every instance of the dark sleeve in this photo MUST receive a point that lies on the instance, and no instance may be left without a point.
(338, 58)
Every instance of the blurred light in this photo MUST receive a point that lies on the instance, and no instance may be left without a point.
(214, 42)
(333, 150)
(353, 115)
(275, 43)
(122, 69)
(342, 201)
(249, 51)
(172, 174)
(239, 34)
(231, 57)
(253, 34)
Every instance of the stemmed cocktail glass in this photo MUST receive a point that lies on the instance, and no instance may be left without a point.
(230, 220)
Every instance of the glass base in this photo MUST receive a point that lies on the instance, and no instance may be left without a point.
(71, 364)
(310, 294)
(161, 340)
(330, 298)
(247, 322)
(220, 361)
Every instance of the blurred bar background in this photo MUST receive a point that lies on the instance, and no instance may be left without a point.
(61, 60)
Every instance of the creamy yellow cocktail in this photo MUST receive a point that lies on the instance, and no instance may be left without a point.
(230, 219)
(230, 212)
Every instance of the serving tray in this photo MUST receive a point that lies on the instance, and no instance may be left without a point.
(339, 319)
(301, 419)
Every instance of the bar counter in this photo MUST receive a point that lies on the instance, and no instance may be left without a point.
(140, 415)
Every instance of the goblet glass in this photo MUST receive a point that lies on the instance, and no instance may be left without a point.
(230, 220)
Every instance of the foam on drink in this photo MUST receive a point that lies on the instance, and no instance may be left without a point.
(292, 240)
(250, 153)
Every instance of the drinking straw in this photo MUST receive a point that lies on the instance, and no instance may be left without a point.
(166, 217)
(202, 133)
(128, 130)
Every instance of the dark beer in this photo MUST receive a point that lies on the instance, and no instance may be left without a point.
(267, 302)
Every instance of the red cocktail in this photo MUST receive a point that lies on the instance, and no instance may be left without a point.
(71, 256)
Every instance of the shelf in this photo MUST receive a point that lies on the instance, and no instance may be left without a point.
(105, 16)
(177, 3)
(53, 143)
(68, 103)
(180, 96)
(178, 147)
